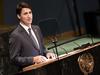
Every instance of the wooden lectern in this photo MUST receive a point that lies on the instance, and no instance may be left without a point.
(79, 62)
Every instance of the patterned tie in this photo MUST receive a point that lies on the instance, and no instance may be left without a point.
(32, 37)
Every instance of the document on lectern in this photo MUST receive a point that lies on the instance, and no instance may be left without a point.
(62, 55)
(68, 53)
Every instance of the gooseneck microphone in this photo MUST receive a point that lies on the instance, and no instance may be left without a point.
(66, 39)
(63, 49)
(73, 40)
(58, 46)
(54, 42)
(91, 38)
(84, 45)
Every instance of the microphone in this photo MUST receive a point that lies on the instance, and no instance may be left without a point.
(72, 41)
(54, 41)
(83, 45)
(86, 44)
(50, 38)
(58, 46)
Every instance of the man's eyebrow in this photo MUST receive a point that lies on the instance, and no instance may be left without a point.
(25, 12)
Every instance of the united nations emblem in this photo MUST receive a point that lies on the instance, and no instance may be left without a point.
(86, 63)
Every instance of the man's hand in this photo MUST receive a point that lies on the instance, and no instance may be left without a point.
(39, 59)
(51, 55)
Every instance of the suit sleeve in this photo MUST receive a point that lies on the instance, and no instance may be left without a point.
(15, 50)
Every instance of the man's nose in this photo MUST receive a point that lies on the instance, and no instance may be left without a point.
(29, 15)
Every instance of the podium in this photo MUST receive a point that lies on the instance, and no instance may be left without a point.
(79, 62)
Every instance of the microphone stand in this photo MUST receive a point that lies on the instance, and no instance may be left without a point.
(63, 49)
(72, 40)
(66, 39)
(54, 41)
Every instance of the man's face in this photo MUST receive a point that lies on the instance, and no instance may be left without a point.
(25, 16)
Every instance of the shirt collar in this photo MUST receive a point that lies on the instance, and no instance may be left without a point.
(25, 27)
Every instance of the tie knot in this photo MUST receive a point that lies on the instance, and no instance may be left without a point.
(29, 29)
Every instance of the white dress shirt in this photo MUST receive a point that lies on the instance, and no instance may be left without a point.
(26, 28)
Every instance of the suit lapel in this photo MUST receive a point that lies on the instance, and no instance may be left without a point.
(25, 34)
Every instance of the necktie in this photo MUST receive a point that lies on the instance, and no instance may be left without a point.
(32, 37)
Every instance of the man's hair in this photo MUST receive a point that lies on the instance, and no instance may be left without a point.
(20, 6)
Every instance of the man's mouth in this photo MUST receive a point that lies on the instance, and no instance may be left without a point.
(29, 19)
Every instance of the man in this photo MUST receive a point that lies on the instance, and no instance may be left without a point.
(24, 51)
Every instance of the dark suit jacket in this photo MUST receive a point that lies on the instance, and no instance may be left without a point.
(22, 48)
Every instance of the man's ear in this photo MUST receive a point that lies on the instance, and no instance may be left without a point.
(18, 16)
